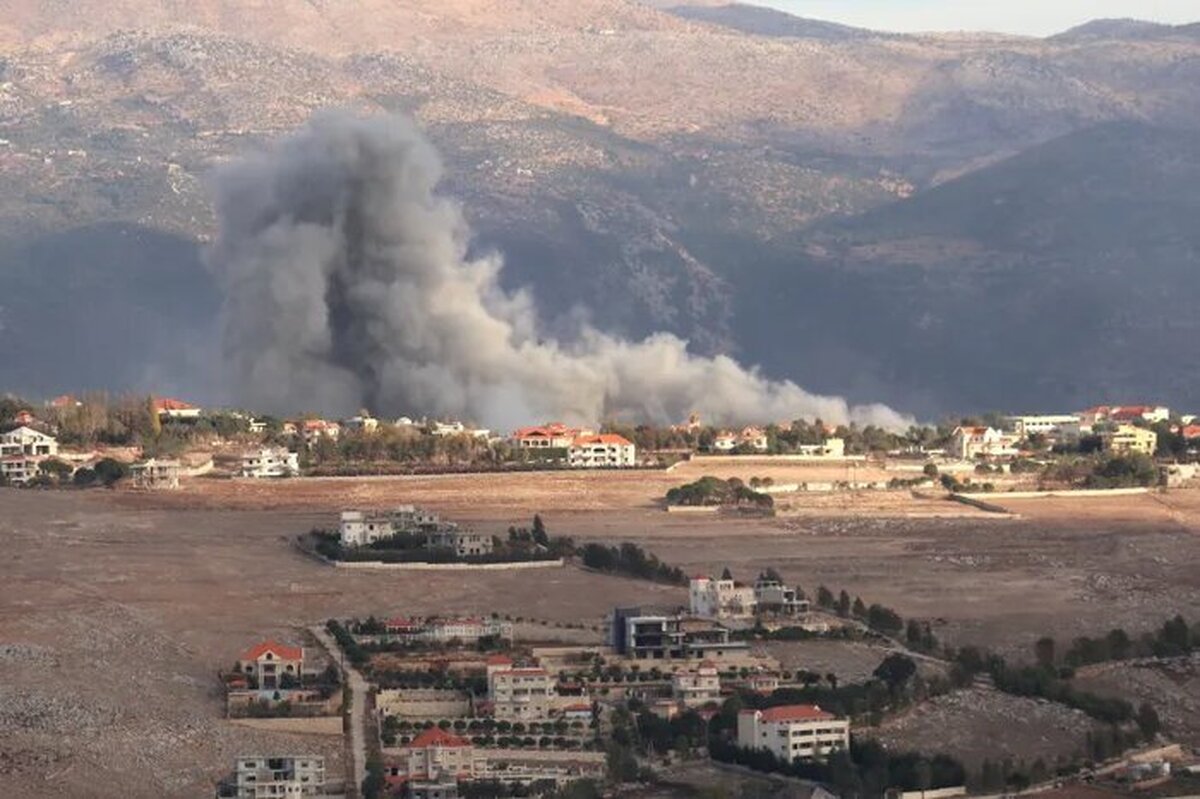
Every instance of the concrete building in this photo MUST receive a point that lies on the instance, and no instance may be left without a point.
(1129, 439)
(793, 732)
(25, 440)
(1059, 427)
(440, 631)
(969, 443)
(720, 599)
(269, 462)
(154, 474)
(290, 776)
(313, 430)
(359, 528)
(772, 596)
(606, 450)
(644, 634)
(755, 438)
(464, 543)
(698, 687)
(523, 693)
(269, 662)
(436, 757)
(19, 469)
(1151, 414)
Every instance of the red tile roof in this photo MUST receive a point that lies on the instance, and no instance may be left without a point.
(435, 736)
(786, 713)
(603, 438)
(1191, 431)
(499, 660)
(169, 404)
(281, 651)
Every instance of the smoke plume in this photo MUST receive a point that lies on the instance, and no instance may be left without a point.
(347, 285)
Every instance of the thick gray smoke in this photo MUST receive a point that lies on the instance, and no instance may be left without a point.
(347, 285)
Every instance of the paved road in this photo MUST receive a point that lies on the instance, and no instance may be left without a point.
(358, 710)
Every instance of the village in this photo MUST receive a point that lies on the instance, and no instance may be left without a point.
(155, 443)
(686, 677)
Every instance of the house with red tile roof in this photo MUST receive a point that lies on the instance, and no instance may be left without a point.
(270, 664)
(793, 732)
(554, 435)
(170, 408)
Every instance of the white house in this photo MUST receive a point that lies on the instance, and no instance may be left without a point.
(599, 451)
(270, 662)
(793, 732)
(829, 448)
(359, 528)
(27, 441)
(520, 693)
(19, 469)
(364, 422)
(969, 443)
(270, 462)
(720, 599)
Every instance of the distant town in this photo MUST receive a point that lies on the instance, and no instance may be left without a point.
(155, 442)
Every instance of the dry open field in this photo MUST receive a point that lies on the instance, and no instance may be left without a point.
(117, 608)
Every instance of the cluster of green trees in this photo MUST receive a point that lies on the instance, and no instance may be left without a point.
(631, 560)
(357, 656)
(1174, 638)
(917, 635)
(1124, 471)
(709, 491)
(1040, 680)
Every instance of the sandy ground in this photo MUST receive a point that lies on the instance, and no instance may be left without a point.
(116, 609)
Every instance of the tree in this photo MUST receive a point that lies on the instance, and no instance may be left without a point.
(1119, 644)
(110, 471)
(155, 421)
(1148, 721)
(895, 670)
(1043, 651)
(84, 477)
(55, 468)
(824, 597)
(930, 470)
(843, 604)
(539, 531)
(726, 574)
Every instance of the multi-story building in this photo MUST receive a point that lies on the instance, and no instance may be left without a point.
(19, 469)
(969, 443)
(520, 693)
(464, 543)
(554, 435)
(793, 732)
(290, 776)
(721, 599)
(359, 528)
(643, 634)
(270, 662)
(1058, 426)
(697, 687)
(27, 441)
(606, 450)
(269, 462)
(1151, 414)
(1129, 439)
(772, 596)
(439, 758)
(155, 474)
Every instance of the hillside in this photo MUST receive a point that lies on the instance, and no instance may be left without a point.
(650, 171)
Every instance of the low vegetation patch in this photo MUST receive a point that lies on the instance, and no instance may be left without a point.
(713, 491)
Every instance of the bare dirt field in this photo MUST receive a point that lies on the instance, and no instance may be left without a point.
(116, 608)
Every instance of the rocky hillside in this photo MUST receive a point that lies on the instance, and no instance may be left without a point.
(764, 185)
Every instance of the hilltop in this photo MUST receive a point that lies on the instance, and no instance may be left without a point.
(654, 167)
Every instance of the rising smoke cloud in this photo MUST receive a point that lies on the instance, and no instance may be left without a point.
(347, 284)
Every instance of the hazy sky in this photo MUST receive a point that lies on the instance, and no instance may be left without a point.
(1036, 17)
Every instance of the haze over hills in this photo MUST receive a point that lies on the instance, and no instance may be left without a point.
(902, 218)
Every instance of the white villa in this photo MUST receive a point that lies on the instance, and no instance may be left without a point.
(793, 732)
(270, 462)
